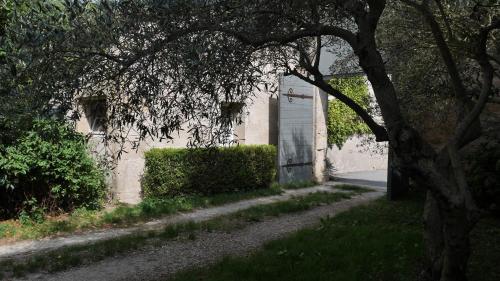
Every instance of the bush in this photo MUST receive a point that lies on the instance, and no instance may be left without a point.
(49, 169)
(206, 171)
(483, 173)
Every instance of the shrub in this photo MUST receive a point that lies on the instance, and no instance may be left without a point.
(49, 169)
(483, 173)
(206, 171)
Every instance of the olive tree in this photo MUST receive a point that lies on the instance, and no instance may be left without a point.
(26, 30)
(426, 90)
(163, 63)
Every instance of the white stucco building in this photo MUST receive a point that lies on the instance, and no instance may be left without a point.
(294, 121)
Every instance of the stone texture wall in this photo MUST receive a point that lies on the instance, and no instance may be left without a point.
(260, 127)
(261, 121)
(320, 136)
(359, 153)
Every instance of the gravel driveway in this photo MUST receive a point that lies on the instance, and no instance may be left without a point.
(162, 262)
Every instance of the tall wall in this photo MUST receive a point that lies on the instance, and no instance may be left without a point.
(359, 153)
(320, 136)
(261, 122)
(130, 168)
(260, 127)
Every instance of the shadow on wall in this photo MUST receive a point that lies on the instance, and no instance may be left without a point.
(357, 154)
(273, 121)
(354, 181)
(296, 157)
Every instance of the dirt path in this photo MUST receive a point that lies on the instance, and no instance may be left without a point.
(34, 247)
(162, 262)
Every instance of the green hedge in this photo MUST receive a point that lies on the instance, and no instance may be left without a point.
(48, 170)
(206, 171)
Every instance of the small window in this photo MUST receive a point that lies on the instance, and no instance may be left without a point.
(231, 111)
(231, 118)
(95, 112)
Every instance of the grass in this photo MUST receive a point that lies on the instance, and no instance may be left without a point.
(258, 213)
(380, 241)
(76, 255)
(485, 242)
(295, 185)
(122, 215)
(353, 188)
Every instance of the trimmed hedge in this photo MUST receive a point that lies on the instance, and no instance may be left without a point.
(206, 171)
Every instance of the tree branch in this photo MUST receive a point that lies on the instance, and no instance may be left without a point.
(379, 131)
(377, 7)
(445, 18)
(487, 75)
(458, 86)
(312, 30)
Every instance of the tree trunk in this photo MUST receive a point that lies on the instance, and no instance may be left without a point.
(446, 216)
(447, 241)
(433, 237)
(456, 245)
(398, 182)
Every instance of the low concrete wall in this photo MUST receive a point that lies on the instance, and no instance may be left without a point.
(357, 155)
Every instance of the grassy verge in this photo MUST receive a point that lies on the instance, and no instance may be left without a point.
(72, 256)
(485, 242)
(381, 241)
(352, 188)
(122, 215)
(295, 185)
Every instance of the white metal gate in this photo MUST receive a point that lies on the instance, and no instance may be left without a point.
(296, 130)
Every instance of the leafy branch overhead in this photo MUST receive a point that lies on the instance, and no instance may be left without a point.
(49, 169)
(167, 65)
(343, 122)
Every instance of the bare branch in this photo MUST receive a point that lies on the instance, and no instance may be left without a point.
(487, 77)
(458, 86)
(377, 7)
(379, 131)
(445, 18)
(312, 30)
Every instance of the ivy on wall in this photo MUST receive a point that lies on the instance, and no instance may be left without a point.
(342, 121)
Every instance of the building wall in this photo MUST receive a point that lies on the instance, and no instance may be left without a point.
(261, 121)
(130, 168)
(320, 136)
(357, 155)
(259, 127)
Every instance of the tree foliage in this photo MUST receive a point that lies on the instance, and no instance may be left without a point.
(344, 123)
(48, 170)
(162, 64)
(135, 55)
(26, 30)
(425, 90)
